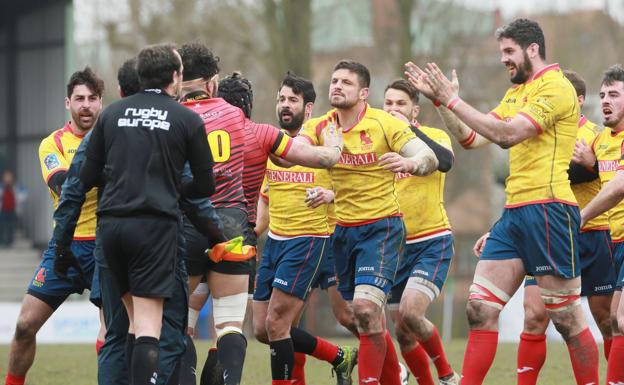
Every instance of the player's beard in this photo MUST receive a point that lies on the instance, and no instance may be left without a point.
(343, 104)
(76, 115)
(523, 70)
(614, 120)
(296, 120)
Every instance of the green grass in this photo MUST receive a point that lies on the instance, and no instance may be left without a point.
(76, 364)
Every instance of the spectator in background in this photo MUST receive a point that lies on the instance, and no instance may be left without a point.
(11, 196)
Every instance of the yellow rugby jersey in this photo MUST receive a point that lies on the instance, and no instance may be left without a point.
(289, 215)
(608, 150)
(365, 192)
(56, 152)
(585, 192)
(421, 198)
(538, 166)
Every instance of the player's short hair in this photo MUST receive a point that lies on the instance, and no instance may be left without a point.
(87, 78)
(405, 86)
(128, 78)
(577, 81)
(524, 32)
(156, 64)
(358, 68)
(613, 74)
(237, 91)
(300, 86)
(199, 61)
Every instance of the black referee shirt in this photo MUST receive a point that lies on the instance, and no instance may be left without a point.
(138, 148)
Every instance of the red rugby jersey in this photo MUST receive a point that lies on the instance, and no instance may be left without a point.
(260, 141)
(225, 128)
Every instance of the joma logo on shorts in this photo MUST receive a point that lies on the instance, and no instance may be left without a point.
(366, 268)
(543, 268)
(421, 272)
(603, 287)
(280, 281)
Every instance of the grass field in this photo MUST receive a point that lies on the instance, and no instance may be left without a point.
(76, 365)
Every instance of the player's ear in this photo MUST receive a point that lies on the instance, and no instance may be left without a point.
(308, 109)
(533, 50)
(67, 103)
(364, 93)
(415, 111)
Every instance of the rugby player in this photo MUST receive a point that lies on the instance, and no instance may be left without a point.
(297, 253)
(595, 254)
(538, 232)
(50, 287)
(429, 245)
(229, 280)
(146, 138)
(609, 156)
(370, 233)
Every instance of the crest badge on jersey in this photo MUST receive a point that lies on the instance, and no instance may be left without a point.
(51, 161)
(365, 140)
(40, 277)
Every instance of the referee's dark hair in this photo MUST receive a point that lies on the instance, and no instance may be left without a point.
(405, 86)
(358, 68)
(87, 78)
(577, 81)
(613, 74)
(156, 65)
(300, 86)
(524, 32)
(128, 78)
(237, 91)
(199, 61)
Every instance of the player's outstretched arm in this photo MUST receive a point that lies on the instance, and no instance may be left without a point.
(440, 89)
(467, 137)
(304, 154)
(609, 196)
(415, 158)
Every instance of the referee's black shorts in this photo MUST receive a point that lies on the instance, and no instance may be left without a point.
(141, 252)
(197, 262)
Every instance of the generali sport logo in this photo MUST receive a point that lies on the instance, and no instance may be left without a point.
(290, 176)
(608, 165)
(358, 159)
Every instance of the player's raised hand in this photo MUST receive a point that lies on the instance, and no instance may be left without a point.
(480, 244)
(394, 162)
(63, 260)
(443, 89)
(583, 154)
(416, 77)
(318, 196)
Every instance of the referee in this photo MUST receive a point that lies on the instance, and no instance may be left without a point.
(138, 149)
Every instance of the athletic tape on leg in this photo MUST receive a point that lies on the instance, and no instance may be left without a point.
(562, 299)
(487, 293)
(193, 315)
(371, 293)
(424, 286)
(230, 308)
(202, 289)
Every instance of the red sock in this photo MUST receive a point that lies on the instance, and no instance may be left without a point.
(433, 347)
(615, 369)
(298, 373)
(479, 355)
(325, 350)
(531, 357)
(371, 358)
(607, 347)
(14, 380)
(417, 361)
(584, 357)
(98, 346)
(390, 373)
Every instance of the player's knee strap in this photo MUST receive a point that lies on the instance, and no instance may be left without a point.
(202, 289)
(370, 293)
(484, 291)
(424, 286)
(561, 299)
(230, 308)
(228, 330)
